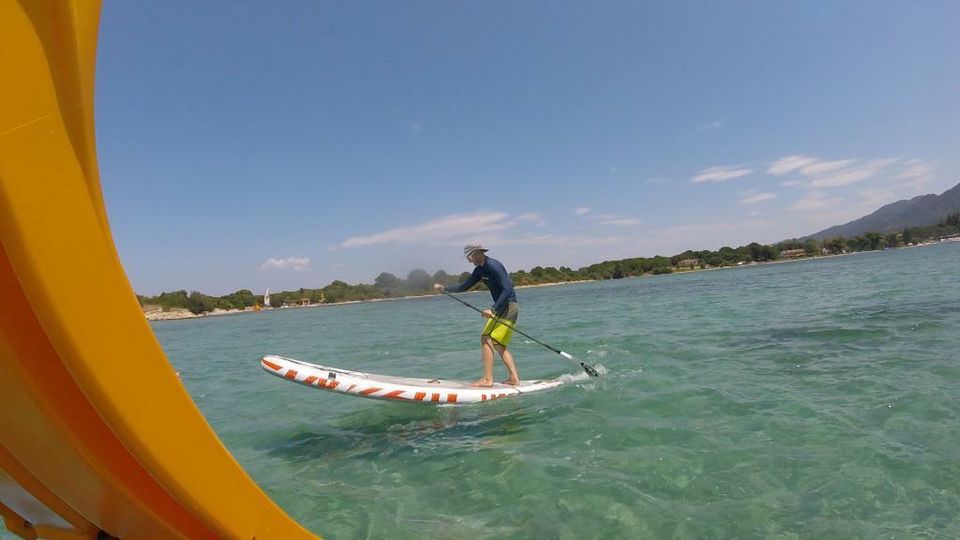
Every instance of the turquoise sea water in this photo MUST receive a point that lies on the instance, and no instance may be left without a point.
(817, 399)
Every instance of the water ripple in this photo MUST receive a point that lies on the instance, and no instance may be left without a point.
(812, 400)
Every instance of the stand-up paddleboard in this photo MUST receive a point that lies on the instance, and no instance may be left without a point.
(370, 385)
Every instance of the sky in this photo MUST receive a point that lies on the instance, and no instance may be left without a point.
(288, 144)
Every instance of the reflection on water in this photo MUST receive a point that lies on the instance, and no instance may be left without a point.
(391, 429)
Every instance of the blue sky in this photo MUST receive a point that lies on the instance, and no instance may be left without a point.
(288, 144)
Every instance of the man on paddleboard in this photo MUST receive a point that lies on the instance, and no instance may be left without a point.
(501, 317)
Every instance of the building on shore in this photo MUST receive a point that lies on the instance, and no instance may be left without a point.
(792, 253)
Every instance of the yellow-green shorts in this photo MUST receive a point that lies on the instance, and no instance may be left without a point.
(500, 328)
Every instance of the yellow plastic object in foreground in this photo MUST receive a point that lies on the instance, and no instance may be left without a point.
(96, 431)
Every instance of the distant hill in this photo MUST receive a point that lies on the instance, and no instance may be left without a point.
(917, 212)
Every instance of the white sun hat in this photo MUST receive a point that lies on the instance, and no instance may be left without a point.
(470, 248)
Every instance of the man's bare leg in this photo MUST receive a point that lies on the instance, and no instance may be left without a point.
(512, 376)
(486, 353)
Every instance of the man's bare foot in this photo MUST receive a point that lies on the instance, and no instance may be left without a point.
(511, 382)
(483, 383)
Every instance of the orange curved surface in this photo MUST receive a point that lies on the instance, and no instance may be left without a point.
(87, 443)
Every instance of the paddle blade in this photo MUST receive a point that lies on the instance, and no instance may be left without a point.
(589, 369)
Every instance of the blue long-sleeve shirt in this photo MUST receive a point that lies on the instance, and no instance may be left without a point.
(496, 278)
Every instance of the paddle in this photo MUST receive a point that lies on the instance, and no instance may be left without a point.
(586, 367)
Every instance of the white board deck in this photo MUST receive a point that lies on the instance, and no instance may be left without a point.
(370, 385)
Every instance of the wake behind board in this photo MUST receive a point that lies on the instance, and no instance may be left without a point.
(370, 385)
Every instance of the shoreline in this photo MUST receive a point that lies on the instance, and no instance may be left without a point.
(180, 314)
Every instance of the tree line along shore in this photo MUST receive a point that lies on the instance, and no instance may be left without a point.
(419, 282)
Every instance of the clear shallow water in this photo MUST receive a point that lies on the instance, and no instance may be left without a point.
(818, 399)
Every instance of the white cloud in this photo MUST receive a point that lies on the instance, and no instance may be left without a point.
(845, 189)
(615, 220)
(444, 229)
(557, 241)
(916, 169)
(815, 201)
(581, 211)
(823, 167)
(715, 227)
(716, 124)
(823, 174)
(789, 164)
(621, 222)
(720, 174)
(851, 175)
(753, 197)
(290, 263)
(806, 165)
(873, 197)
(532, 218)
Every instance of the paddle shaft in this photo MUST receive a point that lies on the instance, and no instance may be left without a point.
(589, 369)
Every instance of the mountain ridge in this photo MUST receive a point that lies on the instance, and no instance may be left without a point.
(920, 211)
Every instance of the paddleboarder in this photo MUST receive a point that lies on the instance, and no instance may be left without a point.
(501, 317)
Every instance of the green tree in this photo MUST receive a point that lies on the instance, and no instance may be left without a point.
(387, 282)
(892, 240)
(440, 277)
(679, 257)
(521, 277)
(337, 291)
(908, 236)
(240, 299)
(419, 280)
(199, 303)
(836, 245)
